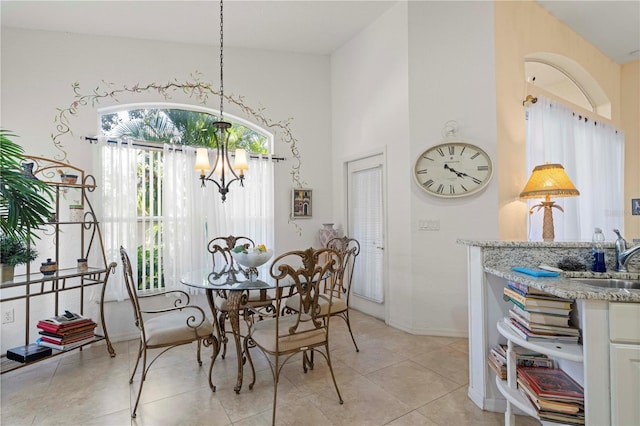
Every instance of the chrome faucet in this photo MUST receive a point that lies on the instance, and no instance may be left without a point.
(623, 255)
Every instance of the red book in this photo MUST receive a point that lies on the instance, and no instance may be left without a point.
(551, 383)
(53, 328)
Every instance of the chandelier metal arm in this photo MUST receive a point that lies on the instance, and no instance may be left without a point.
(223, 162)
(223, 187)
(222, 166)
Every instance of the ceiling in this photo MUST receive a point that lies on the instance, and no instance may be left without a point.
(301, 26)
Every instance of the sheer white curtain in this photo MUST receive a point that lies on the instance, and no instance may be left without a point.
(117, 189)
(184, 230)
(193, 215)
(592, 154)
(247, 211)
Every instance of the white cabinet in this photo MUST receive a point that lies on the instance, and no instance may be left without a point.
(624, 333)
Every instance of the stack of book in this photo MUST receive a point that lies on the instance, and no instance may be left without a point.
(537, 315)
(556, 396)
(66, 331)
(497, 359)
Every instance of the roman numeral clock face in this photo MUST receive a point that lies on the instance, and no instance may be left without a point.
(453, 169)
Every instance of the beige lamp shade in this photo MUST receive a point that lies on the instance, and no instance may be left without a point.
(202, 161)
(549, 180)
(240, 163)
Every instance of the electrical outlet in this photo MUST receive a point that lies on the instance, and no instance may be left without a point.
(7, 316)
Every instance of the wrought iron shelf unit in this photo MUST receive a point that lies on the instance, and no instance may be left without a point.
(67, 278)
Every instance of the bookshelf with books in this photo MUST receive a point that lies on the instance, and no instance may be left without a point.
(73, 238)
(555, 396)
(589, 362)
(497, 359)
(541, 323)
(571, 352)
(539, 317)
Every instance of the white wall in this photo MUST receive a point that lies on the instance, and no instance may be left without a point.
(38, 69)
(394, 87)
(452, 77)
(370, 101)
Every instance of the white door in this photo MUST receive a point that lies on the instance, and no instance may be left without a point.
(365, 197)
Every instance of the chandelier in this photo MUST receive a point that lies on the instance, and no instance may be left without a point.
(223, 173)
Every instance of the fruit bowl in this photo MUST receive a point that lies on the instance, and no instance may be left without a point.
(253, 259)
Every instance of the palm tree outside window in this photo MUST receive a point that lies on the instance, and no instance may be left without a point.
(151, 129)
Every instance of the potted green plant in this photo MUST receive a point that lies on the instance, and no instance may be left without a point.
(24, 200)
(13, 251)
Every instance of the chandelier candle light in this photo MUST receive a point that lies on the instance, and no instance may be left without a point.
(548, 180)
(225, 173)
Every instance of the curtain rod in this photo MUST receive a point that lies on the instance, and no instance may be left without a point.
(157, 146)
(531, 99)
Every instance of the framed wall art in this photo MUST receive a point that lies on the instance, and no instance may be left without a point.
(635, 206)
(301, 203)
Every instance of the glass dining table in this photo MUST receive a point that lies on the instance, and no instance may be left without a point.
(236, 284)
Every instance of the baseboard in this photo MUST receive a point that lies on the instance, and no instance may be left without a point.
(430, 331)
(494, 405)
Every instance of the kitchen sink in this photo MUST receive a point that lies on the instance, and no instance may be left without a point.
(610, 282)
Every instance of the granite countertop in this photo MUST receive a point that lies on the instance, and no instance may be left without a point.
(500, 256)
(535, 244)
(564, 286)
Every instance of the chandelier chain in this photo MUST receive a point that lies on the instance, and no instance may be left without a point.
(221, 60)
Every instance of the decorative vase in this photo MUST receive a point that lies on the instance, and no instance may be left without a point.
(327, 233)
(83, 265)
(76, 213)
(49, 267)
(7, 272)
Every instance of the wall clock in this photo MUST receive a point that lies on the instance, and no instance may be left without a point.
(453, 169)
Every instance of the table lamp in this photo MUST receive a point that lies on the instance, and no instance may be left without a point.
(548, 180)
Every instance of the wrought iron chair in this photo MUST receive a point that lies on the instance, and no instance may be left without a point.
(349, 248)
(166, 328)
(220, 249)
(282, 336)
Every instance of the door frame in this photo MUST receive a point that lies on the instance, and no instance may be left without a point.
(385, 206)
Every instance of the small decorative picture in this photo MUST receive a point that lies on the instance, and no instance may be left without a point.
(635, 206)
(301, 202)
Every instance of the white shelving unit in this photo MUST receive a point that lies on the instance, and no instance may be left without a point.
(509, 388)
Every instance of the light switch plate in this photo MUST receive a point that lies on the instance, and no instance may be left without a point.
(429, 225)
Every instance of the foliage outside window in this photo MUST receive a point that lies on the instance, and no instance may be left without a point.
(180, 127)
(162, 126)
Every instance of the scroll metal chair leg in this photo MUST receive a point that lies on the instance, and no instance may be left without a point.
(223, 336)
(215, 349)
(276, 375)
(137, 362)
(143, 376)
(307, 360)
(328, 356)
(248, 357)
(198, 355)
(346, 318)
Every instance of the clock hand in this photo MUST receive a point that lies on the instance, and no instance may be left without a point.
(459, 174)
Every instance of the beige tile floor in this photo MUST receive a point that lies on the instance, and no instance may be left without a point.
(396, 379)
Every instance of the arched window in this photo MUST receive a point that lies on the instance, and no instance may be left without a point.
(168, 216)
(589, 148)
(568, 80)
(180, 126)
